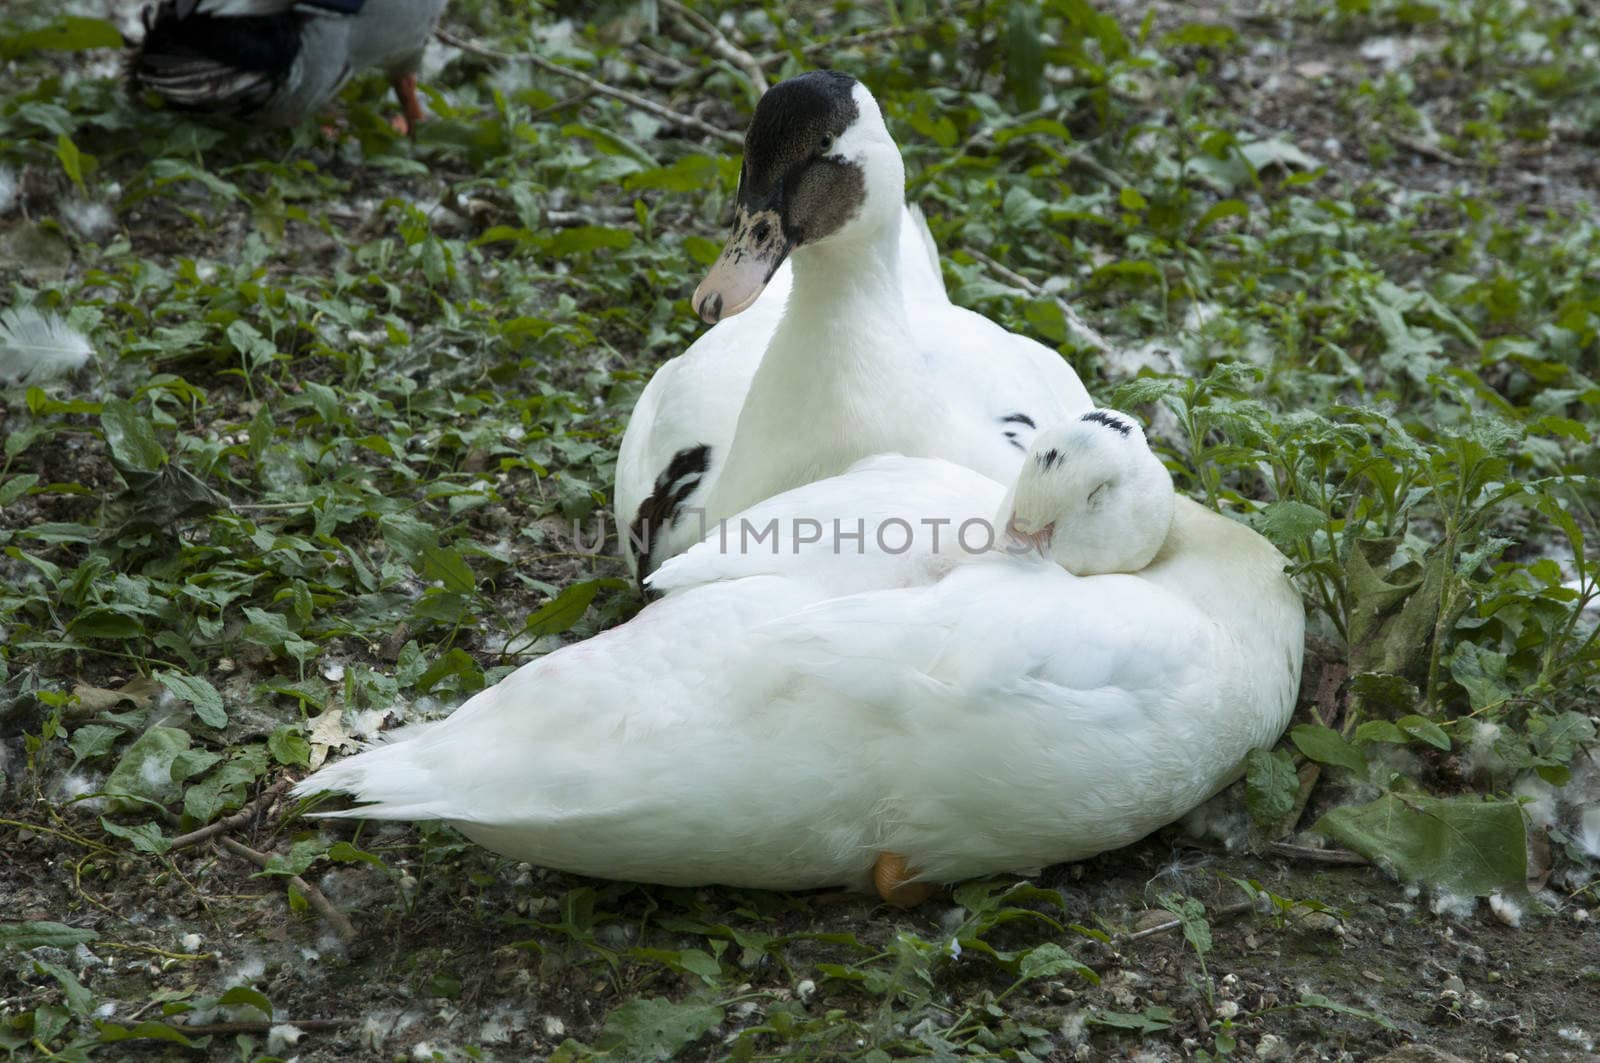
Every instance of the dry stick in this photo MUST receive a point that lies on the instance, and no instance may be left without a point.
(1432, 151)
(850, 40)
(341, 922)
(1074, 322)
(720, 43)
(238, 819)
(205, 1028)
(630, 98)
(1306, 854)
(1231, 910)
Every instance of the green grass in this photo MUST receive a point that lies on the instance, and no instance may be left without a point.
(350, 395)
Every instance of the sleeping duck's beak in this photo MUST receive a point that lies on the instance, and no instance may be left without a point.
(1038, 540)
(754, 252)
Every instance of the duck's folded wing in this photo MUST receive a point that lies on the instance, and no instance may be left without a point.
(888, 521)
(1000, 629)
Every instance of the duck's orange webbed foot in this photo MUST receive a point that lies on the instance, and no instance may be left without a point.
(411, 114)
(893, 879)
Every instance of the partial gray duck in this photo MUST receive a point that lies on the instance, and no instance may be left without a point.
(279, 61)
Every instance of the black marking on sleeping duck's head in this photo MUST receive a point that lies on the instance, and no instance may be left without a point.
(1110, 420)
(787, 168)
(661, 510)
(1018, 418)
(1049, 459)
(1011, 437)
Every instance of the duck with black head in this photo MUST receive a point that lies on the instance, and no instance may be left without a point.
(863, 354)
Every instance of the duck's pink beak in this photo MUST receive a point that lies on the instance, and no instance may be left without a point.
(1039, 540)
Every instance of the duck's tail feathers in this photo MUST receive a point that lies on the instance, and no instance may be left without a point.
(919, 223)
(385, 779)
(217, 65)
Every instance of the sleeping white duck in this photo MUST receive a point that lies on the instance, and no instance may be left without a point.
(854, 349)
(756, 728)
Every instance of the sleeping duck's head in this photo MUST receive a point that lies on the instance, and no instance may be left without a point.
(1092, 496)
(819, 167)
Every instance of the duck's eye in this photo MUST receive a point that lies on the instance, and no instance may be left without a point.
(825, 145)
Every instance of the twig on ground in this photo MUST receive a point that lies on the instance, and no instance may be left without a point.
(1225, 912)
(632, 99)
(851, 40)
(1089, 336)
(1432, 151)
(207, 1028)
(1309, 855)
(720, 44)
(341, 922)
(238, 819)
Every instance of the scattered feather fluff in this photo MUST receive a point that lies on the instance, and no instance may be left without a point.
(1453, 906)
(1482, 759)
(75, 785)
(1539, 800)
(9, 190)
(88, 218)
(1588, 835)
(1577, 1036)
(1505, 909)
(36, 346)
(282, 1037)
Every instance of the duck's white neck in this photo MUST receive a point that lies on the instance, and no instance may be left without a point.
(839, 381)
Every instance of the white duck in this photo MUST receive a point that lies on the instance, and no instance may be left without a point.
(753, 728)
(279, 61)
(858, 352)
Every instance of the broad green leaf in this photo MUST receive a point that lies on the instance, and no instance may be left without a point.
(1024, 53)
(1289, 520)
(1462, 845)
(449, 568)
(105, 623)
(1271, 785)
(198, 692)
(32, 935)
(1152, 1019)
(1382, 695)
(16, 486)
(1380, 731)
(1481, 673)
(145, 770)
(288, 747)
(1049, 960)
(71, 160)
(131, 437)
(149, 1030)
(568, 607)
(1425, 729)
(243, 994)
(146, 837)
(456, 662)
(655, 1028)
(1325, 746)
(345, 853)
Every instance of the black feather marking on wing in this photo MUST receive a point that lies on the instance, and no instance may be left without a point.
(201, 62)
(1018, 418)
(673, 486)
